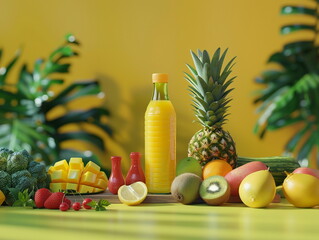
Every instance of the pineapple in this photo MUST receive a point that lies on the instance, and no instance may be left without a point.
(209, 90)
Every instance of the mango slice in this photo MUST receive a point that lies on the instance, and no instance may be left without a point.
(85, 189)
(58, 176)
(92, 167)
(75, 176)
(57, 187)
(72, 186)
(100, 183)
(61, 165)
(88, 178)
(76, 163)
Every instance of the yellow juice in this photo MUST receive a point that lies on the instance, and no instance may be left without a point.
(160, 149)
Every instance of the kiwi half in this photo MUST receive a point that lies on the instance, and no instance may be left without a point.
(215, 190)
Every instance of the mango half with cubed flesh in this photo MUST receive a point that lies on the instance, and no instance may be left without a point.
(75, 176)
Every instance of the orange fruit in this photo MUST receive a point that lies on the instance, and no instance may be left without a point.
(216, 167)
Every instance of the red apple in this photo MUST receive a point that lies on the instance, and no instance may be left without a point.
(309, 171)
(235, 176)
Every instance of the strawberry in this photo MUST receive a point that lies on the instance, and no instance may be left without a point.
(54, 201)
(41, 196)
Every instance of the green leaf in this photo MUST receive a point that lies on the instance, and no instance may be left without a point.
(198, 63)
(192, 70)
(102, 204)
(200, 54)
(24, 199)
(5, 95)
(47, 83)
(219, 67)
(205, 74)
(287, 10)
(307, 146)
(194, 92)
(4, 71)
(297, 47)
(82, 136)
(26, 84)
(297, 27)
(190, 79)
(284, 122)
(79, 116)
(56, 68)
(21, 197)
(72, 92)
(206, 58)
(229, 65)
(70, 38)
(92, 204)
(92, 116)
(279, 58)
(30, 203)
(18, 203)
(201, 85)
(214, 65)
(293, 142)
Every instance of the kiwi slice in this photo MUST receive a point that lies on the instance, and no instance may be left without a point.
(185, 188)
(215, 190)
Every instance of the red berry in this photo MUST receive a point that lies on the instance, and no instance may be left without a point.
(66, 200)
(76, 206)
(64, 206)
(41, 196)
(85, 202)
(54, 201)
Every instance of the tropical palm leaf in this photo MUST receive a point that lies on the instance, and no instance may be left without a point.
(290, 95)
(24, 107)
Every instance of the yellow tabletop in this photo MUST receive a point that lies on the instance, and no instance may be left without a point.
(162, 221)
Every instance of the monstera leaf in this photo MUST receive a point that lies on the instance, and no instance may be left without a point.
(26, 104)
(290, 95)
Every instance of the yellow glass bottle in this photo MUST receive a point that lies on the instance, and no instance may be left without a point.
(160, 138)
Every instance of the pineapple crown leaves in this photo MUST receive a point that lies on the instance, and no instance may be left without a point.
(209, 87)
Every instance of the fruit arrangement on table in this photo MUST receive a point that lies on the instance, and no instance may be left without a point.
(212, 172)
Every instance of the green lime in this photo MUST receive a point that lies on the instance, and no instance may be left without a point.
(189, 165)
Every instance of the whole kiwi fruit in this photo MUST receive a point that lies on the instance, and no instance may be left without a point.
(185, 188)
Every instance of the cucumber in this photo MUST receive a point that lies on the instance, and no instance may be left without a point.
(277, 165)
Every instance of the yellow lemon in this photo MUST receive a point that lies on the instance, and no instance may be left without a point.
(258, 189)
(133, 194)
(2, 197)
(301, 190)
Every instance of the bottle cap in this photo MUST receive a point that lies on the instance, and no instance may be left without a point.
(160, 77)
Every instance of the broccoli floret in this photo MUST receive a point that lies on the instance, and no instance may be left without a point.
(37, 171)
(17, 162)
(4, 154)
(27, 155)
(10, 198)
(24, 182)
(45, 183)
(5, 182)
(15, 177)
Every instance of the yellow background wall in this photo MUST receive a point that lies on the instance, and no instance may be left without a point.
(125, 41)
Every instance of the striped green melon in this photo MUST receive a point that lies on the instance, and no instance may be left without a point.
(277, 165)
